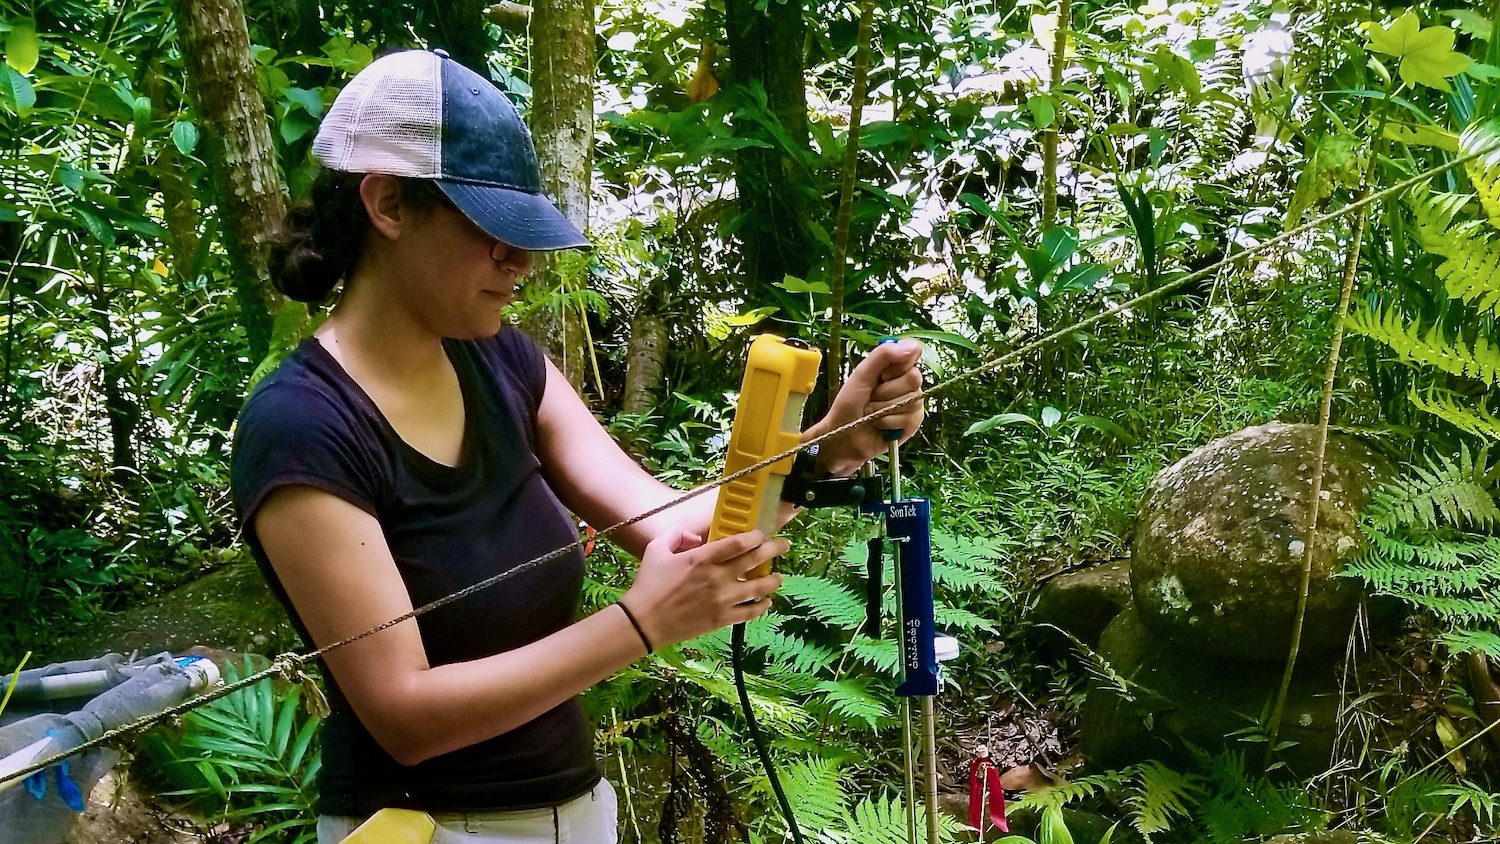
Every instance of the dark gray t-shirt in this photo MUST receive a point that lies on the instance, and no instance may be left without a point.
(309, 423)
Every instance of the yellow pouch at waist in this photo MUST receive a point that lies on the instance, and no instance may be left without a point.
(395, 826)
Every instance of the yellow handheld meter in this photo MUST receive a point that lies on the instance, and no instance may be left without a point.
(779, 375)
(395, 826)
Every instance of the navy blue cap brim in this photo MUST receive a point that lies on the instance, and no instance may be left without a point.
(525, 220)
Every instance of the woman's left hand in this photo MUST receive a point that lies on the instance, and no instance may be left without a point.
(888, 375)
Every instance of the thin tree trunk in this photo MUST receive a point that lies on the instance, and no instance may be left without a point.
(846, 198)
(237, 135)
(645, 362)
(1049, 139)
(765, 51)
(562, 122)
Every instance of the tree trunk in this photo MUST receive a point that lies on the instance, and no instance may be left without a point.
(458, 27)
(645, 362)
(237, 135)
(562, 122)
(765, 49)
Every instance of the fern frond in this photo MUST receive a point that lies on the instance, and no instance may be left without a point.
(874, 820)
(1101, 670)
(1389, 328)
(815, 788)
(1446, 491)
(828, 602)
(1458, 609)
(1483, 804)
(1484, 171)
(1471, 271)
(1164, 794)
(1454, 577)
(879, 654)
(960, 619)
(852, 700)
(1434, 212)
(768, 698)
(1057, 796)
(1464, 640)
(1444, 404)
(792, 651)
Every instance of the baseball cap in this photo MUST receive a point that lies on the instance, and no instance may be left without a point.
(422, 115)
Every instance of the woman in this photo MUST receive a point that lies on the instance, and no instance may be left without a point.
(414, 446)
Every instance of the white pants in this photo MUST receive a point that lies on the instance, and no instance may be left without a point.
(590, 819)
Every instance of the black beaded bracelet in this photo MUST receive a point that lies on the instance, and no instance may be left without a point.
(637, 625)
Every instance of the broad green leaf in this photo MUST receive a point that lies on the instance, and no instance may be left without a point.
(311, 101)
(792, 284)
(1427, 55)
(1081, 277)
(1042, 110)
(185, 137)
(96, 226)
(1422, 136)
(295, 125)
(884, 133)
(16, 90)
(22, 48)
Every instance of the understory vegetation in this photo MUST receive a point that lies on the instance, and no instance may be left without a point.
(1001, 191)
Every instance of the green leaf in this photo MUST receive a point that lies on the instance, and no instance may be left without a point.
(1080, 277)
(942, 337)
(884, 133)
(22, 47)
(750, 317)
(1042, 110)
(295, 125)
(1422, 135)
(17, 91)
(185, 137)
(1471, 23)
(1427, 55)
(96, 226)
(1001, 419)
(310, 101)
(792, 284)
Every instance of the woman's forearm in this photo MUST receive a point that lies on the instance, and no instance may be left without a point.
(430, 712)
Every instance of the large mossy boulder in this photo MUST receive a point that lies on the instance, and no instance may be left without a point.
(1081, 603)
(1177, 699)
(1217, 558)
(229, 609)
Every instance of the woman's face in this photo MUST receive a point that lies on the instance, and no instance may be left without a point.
(457, 277)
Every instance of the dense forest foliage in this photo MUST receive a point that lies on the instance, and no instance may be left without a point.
(1018, 168)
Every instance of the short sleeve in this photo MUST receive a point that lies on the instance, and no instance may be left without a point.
(290, 435)
(514, 353)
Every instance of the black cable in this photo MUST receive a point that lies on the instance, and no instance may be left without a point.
(737, 653)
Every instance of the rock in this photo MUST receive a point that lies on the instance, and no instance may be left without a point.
(1083, 602)
(117, 813)
(1216, 562)
(1183, 699)
(231, 608)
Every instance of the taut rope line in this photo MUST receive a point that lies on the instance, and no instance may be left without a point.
(288, 665)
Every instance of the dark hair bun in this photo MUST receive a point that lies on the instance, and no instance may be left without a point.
(320, 240)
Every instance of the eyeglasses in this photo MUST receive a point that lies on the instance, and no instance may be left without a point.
(500, 251)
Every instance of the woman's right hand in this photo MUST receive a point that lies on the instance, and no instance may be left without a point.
(686, 587)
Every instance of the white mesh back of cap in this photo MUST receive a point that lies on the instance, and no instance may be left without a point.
(388, 119)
